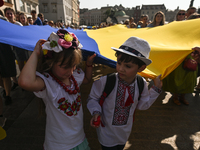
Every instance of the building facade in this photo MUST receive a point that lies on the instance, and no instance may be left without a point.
(121, 16)
(93, 17)
(75, 12)
(150, 10)
(83, 16)
(66, 11)
(137, 14)
(170, 15)
(22, 6)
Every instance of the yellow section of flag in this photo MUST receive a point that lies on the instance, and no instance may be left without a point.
(170, 43)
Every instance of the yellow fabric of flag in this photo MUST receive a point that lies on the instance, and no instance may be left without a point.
(170, 43)
(2, 133)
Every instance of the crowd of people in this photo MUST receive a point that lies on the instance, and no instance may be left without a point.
(58, 81)
(158, 19)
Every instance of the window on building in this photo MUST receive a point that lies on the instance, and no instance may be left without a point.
(45, 7)
(54, 8)
(28, 7)
(21, 4)
(33, 7)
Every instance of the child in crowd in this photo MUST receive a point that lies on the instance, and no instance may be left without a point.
(58, 85)
(117, 111)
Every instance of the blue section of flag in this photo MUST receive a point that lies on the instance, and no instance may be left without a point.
(27, 36)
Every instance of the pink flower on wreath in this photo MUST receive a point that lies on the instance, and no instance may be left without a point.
(68, 40)
(64, 43)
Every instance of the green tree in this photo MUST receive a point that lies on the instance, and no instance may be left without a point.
(109, 13)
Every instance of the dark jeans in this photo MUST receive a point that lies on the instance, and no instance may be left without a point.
(117, 147)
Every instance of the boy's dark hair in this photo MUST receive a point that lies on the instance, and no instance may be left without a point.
(8, 8)
(33, 11)
(40, 15)
(191, 8)
(127, 58)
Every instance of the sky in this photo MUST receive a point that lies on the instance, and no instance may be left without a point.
(169, 4)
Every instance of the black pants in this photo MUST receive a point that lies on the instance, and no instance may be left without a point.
(117, 147)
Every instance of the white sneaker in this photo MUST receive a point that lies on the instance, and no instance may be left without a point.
(2, 121)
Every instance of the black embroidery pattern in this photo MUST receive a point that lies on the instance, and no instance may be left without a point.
(121, 112)
(156, 89)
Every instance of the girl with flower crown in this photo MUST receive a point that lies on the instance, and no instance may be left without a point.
(58, 85)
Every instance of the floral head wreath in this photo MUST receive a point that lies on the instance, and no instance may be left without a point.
(58, 41)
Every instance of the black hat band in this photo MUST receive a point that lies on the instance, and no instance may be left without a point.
(129, 49)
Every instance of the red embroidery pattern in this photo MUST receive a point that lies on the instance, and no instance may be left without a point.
(156, 89)
(46, 75)
(65, 87)
(121, 112)
(68, 108)
(78, 70)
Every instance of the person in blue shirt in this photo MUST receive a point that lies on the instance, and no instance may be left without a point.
(39, 20)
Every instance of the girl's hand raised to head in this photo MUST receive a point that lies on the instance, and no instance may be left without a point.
(90, 59)
(38, 47)
(157, 82)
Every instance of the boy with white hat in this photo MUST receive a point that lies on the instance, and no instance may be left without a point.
(117, 110)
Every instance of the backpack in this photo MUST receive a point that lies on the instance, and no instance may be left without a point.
(110, 83)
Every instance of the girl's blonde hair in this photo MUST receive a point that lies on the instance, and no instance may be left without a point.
(68, 57)
(163, 18)
(26, 23)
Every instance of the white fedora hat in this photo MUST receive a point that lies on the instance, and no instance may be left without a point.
(136, 47)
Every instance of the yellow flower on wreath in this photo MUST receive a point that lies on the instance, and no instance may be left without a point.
(68, 37)
(45, 51)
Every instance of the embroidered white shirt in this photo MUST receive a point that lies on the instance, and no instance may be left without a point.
(64, 122)
(115, 134)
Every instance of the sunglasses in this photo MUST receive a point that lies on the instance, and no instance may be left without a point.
(181, 13)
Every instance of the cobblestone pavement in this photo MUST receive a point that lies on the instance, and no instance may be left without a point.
(165, 126)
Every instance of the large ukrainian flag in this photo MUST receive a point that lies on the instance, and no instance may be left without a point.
(170, 43)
